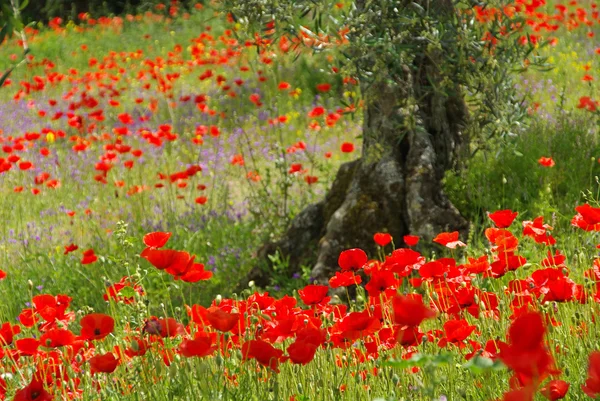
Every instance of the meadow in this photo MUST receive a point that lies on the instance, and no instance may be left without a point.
(145, 158)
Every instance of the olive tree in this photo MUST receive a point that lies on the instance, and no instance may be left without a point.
(435, 77)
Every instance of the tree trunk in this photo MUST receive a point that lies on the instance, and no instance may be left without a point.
(412, 134)
(394, 187)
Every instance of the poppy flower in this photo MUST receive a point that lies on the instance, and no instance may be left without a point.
(57, 338)
(106, 363)
(449, 240)
(546, 161)
(311, 179)
(347, 147)
(221, 320)
(200, 346)
(301, 352)
(325, 87)
(590, 214)
(2, 274)
(555, 390)
(27, 346)
(456, 331)
(358, 325)
(526, 353)
(520, 394)
(89, 257)
(410, 311)
(70, 248)
(344, 279)
(314, 294)
(96, 326)
(156, 239)
(380, 282)
(7, 331)
(503, 218)
(592, 383)
(164, 327)
(316, 112)
(25, 165)
(382, 239)
(411, 240)
(352, 259)
(125, 118)
(34, 391)
(166, 258)
(195, 273)
(264, 353)
(137, 347)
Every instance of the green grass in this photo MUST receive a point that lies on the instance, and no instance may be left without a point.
(240, 214)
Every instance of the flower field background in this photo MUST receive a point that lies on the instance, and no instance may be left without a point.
(145, 158)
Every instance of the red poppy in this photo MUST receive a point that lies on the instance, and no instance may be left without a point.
(264, 353)
(314, 294)
(546, 161)
(7, 331)
(526, 354)
(449, 240)
(357, 325)
(138, 347)
(302, 352)
(34, 391)
(352, 259)
(555, 390)
(106, 363)
(503, 218)
(125, 118)
(325, 87)
(311, 179)
(411, 240)
(520, 394)
(591, 215)
(70, 248)
(57, 338)
(382, 239)
(410, 311)
(344, 279)
(96, 326)
(456, 331)
(166, 258)
(316, 112)
(156, 239)
(592, 383)
(164, 327)
(195, 273)
(89, 257)
(200, 346)
(381, 281)
(347, 147)
(221, 320)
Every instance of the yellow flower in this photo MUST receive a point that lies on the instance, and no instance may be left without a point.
(50, 137)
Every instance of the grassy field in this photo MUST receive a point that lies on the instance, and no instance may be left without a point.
(123, 126)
